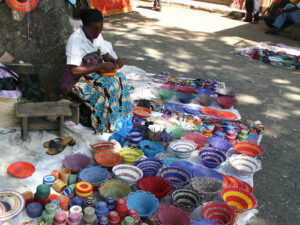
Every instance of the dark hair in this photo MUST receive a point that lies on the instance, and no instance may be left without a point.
(89, 16)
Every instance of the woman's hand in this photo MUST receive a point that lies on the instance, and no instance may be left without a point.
(119, 62)
(107, 66)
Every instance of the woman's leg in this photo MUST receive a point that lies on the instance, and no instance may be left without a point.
(291, 16)
(249, 10)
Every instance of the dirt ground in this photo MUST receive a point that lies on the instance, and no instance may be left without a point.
(197, 44)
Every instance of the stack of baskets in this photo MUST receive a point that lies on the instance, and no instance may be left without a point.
(83, 189)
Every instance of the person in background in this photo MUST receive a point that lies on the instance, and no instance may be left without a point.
(90, 74)
(252, 11)
(291, 13)
(157, 5)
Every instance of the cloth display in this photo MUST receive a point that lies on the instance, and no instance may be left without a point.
(111, 7)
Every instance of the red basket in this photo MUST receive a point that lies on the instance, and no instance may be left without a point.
(227, 115)
(170, 214)
(21, 169)
(107, 158)
(229, 181)
(186, 89)
(197, 138)
(156, 185)
(209, 112)
(219, 212)
(141, 112)
(102, 145)
(247, 148)
(226, 102)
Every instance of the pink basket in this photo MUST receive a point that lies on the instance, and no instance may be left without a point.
(226, 102)
(170, 214)
(197, 138)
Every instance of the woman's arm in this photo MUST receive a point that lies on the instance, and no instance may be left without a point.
(84, 70)
(118, 62)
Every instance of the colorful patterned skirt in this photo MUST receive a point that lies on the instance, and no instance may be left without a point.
(107, 97)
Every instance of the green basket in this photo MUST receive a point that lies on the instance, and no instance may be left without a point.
(176, 132)
(116, 188)
(165, 94)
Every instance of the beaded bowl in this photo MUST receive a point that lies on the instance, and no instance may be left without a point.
(182, 148)
(94, 175)
(218, 212)
(165, 94)
(127, 173)
(107, 158)
(247, 148)
(244, 164)
(150, 148)
(131, 155)
(197, 138)
(144, 202)
(176, 132)
(156, 185)
(206, 186)
(149, 166)
(177, 176)
(226, 102)
(170, 214)
(102, 145)
(239, 199)
(116, 188)
(230, 181)
(186, 199)
(211, 157)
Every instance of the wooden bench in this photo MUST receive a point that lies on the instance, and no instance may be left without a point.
(29, 112)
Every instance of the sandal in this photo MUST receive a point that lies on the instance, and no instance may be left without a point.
(57, 146)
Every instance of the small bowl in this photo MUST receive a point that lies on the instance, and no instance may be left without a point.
(156, 185)
(197, 138)
(127, 173)
(182, 148)
(165, 94)
(218, 212)
(211, 157)
(206, 186)
(244, 164)
(108, 74)
(176, 132)
(225, 92)
(204, 91)
(204, 99)
(149, 166)
(169, 215)
(186, 199)
(184, 97)
(248, 148)
(226, 102)
(102, 145)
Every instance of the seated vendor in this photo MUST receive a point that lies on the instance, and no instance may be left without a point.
(89, 73)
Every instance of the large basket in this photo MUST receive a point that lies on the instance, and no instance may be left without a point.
(102, 145)
(116, 188)
(206, 186)
(182, 148)
(127, 173)
(238, 199)
(218, 212)
(94, 175)
(76, 162)
(177, 176)
(186, 199)
(197, 138)
(248, 148)
(150, 148)
(219, 141)
(144, 202)
(107, 158)
(131, 155)
(8, 112)
(244, 164)
(165, 94)
(149, 166)
(226, 102)
(211, 157)
(229, 181)
(170, 214)
(156, 185)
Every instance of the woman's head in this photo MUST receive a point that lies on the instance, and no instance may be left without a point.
(92, 21)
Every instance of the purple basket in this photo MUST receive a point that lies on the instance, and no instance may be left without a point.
(211, 157)
(149, 166)
(204, 91)
(177, 176)
(219, 141)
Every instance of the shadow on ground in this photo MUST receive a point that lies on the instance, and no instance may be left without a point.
(265, 92)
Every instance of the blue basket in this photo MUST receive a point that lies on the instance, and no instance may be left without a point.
(177, 176)
(150, 148)
(184, 97)
(219, 141)
(145, 203)
(94, 175)
(212, 157)
(149, 166)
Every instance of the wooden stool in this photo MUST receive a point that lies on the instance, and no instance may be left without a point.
(26, 111)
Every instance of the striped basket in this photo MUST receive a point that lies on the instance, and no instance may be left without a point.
(107, 158)
(127, 173)
(149, 166)
(94, 175)
(218, 212)
(116, 188)
(177, 176)
(131, 155)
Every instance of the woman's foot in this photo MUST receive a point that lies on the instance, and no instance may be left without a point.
(249, 20)
(272, 31)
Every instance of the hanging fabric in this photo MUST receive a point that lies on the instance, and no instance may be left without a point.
(24, 7)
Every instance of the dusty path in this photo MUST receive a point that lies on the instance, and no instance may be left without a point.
(197, 44)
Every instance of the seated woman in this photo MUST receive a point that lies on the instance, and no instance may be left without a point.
(89, 74)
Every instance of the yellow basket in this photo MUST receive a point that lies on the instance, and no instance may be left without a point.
(131, 155)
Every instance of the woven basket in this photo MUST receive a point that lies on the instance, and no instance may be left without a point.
(107, 158)
(165, 94)
(219, 212)
(150, 148)
(177, 176)
(102, 145)
(229, 181)
(94, 175)
(144, 202)
(186, 199)
(176, 132)
(127, 173)
(206, 186)
(244, 164)
(149, 166)
(8, 112)
(156, 185)
(211, 157)
(131, 155)
(170, 214)
(197, 138)
(116, 188)
(247, 148)
(182, 148)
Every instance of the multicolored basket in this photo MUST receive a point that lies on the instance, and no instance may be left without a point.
(244, 164)
(136, 136)
(211, 157)
(186, 89)
(116, 188)
(141, 112)
(206, 186)
(94, 175)
(186, 199)
(144, 202)
(229, 181)
(176, 132)
(150, 148)
(182, 148)
(149, 166)
(127, 173)
(238, 199)
(107, 158)
(156, 185)
(197, 138)
(83, 189)
(219, 212)
(102, 145)
(17, 204)
(131, 155)
(177, 176)
(170, 214)
(248, 148)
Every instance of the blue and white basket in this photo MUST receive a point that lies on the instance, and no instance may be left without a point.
(149, 166)
(211, 157)
(177, 176)
(136, 137)
(94, 175)
(49, 179)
